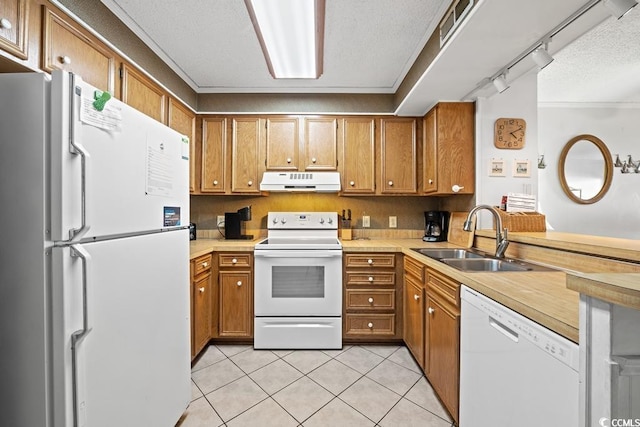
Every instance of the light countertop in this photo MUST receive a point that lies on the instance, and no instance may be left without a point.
(616, 288)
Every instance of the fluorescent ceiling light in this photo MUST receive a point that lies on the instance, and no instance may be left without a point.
(291, 33)
(541, 57)
(619, 8)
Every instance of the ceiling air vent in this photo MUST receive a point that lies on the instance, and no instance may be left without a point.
(454, 16)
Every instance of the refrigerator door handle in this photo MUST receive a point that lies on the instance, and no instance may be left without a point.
(77, 251)
(76, 148)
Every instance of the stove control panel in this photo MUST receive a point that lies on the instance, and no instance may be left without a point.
(302, 220)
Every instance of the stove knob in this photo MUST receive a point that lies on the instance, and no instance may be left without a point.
(330, 221)
(321, 220)
(275, 220)
(283, 221)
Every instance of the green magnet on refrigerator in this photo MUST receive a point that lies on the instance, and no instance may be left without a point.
(101, 99)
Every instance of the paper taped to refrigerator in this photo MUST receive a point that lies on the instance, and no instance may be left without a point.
(109, 119)
(160, 174)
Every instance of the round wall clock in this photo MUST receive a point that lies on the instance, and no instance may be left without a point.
(509, 133)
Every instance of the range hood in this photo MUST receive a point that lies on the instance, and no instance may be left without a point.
(326, 182)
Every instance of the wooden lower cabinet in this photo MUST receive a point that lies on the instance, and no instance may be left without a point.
(414, 332)
(201, 303)
(371, 297)
(235, 278)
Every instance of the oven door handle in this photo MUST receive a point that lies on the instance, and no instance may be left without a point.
(297, 254)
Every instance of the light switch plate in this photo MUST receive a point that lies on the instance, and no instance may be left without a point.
(393, 222)
(366, 221)
(220, 220)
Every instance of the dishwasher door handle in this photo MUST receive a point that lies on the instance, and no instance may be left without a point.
(507, 332)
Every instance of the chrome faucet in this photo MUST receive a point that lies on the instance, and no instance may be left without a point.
(501, 234)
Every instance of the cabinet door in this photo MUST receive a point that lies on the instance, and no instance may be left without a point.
(201, 303)
(214, 155)
(283, 143)
(358, 161)
(13, 27)
(183, 120)
(247, 134)
(236, 304)
(444, 352)
(414, 318)
(321, 143)
(398, 156)
(143, 94)
(430, 153)
(66, 47)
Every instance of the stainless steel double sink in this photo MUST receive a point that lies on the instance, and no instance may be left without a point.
(475, 261)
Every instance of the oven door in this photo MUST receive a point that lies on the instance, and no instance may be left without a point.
(298, 282)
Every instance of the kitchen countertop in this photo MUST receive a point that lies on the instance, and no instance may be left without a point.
(204, 246)
(616, 288)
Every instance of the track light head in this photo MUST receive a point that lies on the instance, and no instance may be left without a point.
(500, 83)
(541, 57)
(619, 8)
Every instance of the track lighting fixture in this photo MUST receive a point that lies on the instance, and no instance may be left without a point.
(541, 56)
(619, 8)
(500, 83)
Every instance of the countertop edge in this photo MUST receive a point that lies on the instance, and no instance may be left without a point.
(615, 288)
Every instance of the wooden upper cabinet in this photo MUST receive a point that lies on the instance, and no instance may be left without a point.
(143, 94)
(214, 155)
(283, 143)
(14, 24)
(398, 158)
(321, 143)
(68, 47)
(183, 120)
(246, 143)
(358, 155)
(448, 149)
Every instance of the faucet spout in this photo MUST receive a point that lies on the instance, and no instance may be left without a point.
(501, 234)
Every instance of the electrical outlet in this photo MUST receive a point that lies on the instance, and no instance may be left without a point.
(366, 221)
(220, 220)
(393, 222)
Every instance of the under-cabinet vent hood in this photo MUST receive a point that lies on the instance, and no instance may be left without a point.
(327, 182)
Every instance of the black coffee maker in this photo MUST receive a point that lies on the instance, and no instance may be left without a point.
(234, 224)
(436, 225)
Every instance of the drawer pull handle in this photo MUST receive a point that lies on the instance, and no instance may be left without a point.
(239, 283)
(370, 325)
(455, 188)
(416, 297)
(234, 261)
(5, 23)
(369, 261)
(371, 278)
(430, 181)
(215, 182)
(201, 289)
(205, 264)
(65, 60)
(288, 159)
(390, 183)
(250, 183)
(313, 160)
(370, 300)
(431, 310)
(352, 183)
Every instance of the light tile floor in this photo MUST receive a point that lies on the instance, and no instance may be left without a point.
(235, 385)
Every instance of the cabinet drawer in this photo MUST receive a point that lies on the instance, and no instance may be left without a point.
(370, 260)
(234, 260)
(371, 299)
(370, 324)
(202, 264)
(371, 278)
(444, 286)
(413, 267)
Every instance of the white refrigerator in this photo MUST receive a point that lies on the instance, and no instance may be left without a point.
(94, 261)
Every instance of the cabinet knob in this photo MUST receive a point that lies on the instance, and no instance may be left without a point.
(215, 182)
(430, 181)
(65, 60)
(416, 297)
(234, 261)
(390, 183)
(371, 278)
(370, 325)
(205, 264)
(201, 289)
(370, 300)
(250, 183)
(5, 24)
(239, 283)
(455, 188)
(313, 160)
(431, 310)
(352, 183)
(288, 159)
(369, 261)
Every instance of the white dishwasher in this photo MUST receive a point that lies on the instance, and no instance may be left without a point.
(513, 371)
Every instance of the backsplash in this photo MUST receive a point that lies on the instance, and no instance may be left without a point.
(408, 210)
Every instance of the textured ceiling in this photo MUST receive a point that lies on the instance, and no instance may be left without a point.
(602, 66)
(369, 45)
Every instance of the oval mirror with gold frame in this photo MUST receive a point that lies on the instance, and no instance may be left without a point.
(585, 169)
